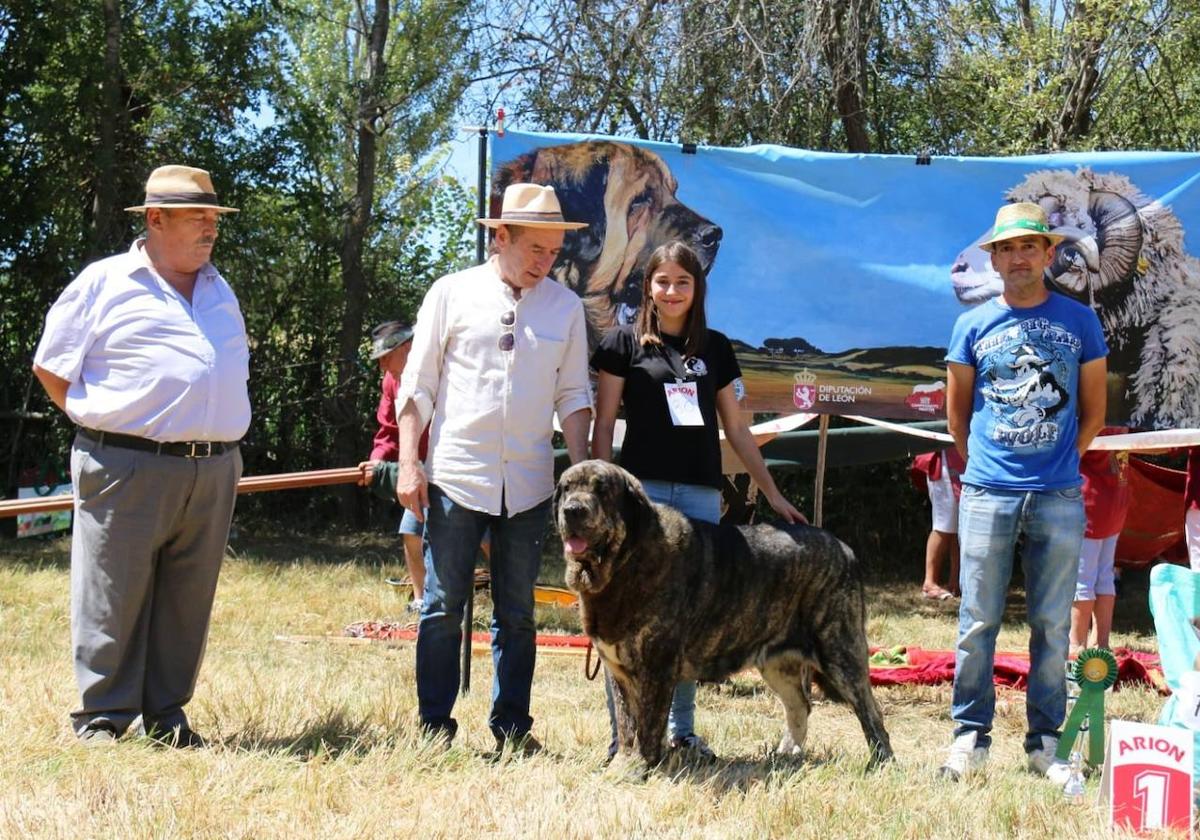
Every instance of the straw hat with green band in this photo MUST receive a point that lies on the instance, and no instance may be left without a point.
(1021, 219)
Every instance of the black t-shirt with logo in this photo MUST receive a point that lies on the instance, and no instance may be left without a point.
(655, 447)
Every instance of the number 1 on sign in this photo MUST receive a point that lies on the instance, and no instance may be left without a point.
(1150, 789)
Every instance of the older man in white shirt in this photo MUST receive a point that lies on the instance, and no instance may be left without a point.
(146, 352)
(499, 349)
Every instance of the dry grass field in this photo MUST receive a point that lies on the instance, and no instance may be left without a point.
(318, 740)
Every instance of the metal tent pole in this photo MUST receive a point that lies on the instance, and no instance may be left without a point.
(480, 253)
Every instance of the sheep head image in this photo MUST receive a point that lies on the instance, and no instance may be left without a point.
(1101, 248)
(1123, 254)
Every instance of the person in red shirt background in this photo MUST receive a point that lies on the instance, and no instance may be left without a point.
(942, 473)
(390, 344)
(1106, 500)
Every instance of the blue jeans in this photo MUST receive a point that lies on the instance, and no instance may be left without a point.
(989, 522)
(452, 535)
(696, 501)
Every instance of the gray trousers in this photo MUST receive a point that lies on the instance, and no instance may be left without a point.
(150, 532)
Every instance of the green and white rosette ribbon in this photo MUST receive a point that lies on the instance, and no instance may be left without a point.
(1094, 670)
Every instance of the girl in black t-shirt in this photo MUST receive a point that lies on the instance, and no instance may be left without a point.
(676, 378)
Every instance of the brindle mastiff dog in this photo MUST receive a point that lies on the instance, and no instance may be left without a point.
(666, 599)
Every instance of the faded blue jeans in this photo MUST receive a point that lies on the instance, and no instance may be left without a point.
(696, 501)
(989, 522)
(452, 535)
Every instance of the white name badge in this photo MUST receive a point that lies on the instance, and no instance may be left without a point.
(683, 401)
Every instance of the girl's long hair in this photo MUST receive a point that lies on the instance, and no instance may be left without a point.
(695, 331)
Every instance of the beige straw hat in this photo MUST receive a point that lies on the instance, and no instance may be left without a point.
(181, 187)
(531, 205)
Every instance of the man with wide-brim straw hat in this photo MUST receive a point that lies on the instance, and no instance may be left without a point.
(180, 187)
(1025, 396)
(1023, 218)
(499, 349)
(531, 206)
(146, 352)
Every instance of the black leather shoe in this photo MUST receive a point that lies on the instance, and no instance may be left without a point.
(179, 737)
(525, 745)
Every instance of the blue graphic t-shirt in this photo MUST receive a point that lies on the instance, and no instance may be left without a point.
(1024, 420)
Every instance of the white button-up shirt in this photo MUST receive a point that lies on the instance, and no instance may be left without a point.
(492, 410)
(143, 361)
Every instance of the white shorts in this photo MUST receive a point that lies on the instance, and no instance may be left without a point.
(1096, 568)
(945, 506)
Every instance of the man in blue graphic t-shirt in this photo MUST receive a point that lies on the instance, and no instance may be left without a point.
(1026, 395)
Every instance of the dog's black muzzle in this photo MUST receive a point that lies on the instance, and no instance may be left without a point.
(574, 513)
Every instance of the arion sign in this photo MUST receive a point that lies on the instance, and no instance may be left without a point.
(1148, 777)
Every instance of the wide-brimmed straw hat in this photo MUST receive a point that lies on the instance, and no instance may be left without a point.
(531, 205)
(1021, 219)
(388, 336)
(180, 187)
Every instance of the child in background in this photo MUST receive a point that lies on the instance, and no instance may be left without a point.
(1106, 500)
(942, 472)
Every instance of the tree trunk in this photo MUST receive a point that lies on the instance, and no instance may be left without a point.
(103, 232)
(843, 31)
(1082, 84)
(354, 285)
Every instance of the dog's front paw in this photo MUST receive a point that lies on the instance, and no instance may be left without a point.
(787, 746)
(627, 767)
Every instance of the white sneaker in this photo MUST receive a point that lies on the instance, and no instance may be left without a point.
(1045, 763)
(964, 758)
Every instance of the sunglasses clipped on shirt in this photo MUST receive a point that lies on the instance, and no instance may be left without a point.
(507, 339)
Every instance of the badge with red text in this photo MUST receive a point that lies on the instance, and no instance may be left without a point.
(1148, 777)
(683, 401)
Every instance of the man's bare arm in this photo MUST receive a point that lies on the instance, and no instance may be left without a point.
(960, 399)
(1093, 401)
(575, 430)
(56, 387)
(412, 488)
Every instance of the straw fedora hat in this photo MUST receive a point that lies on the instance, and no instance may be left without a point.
(531, 205)
(180, 186)
(1021, 219)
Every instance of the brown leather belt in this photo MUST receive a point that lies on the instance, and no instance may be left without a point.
(180, 449)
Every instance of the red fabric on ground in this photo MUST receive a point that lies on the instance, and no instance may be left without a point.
(932, 667)
(925, 667)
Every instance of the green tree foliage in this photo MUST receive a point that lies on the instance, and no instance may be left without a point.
(267, 96)
(897, 76)
(326, 143)
(182, 79)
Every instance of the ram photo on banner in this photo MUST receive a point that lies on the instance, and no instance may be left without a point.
(838, 277)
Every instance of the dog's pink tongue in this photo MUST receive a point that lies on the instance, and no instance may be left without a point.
(575, 545)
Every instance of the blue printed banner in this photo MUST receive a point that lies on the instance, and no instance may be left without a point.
(838, 277)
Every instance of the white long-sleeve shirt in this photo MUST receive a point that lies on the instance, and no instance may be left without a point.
(493, 410)
(143, 361)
